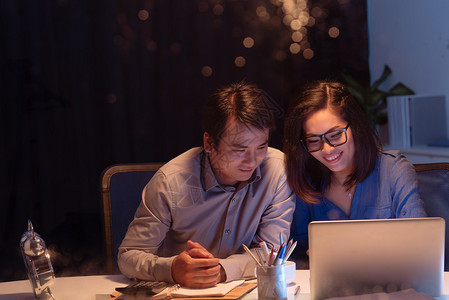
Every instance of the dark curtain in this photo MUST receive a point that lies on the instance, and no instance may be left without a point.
(86, 84)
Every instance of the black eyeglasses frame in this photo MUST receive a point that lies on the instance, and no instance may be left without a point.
(324, 139)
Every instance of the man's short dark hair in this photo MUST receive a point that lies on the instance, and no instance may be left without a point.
(246, 102)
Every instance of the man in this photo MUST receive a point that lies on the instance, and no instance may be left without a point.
(199, 208)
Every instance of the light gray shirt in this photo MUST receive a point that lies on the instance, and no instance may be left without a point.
(183, 201)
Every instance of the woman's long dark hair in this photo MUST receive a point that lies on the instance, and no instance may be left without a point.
(307, 177)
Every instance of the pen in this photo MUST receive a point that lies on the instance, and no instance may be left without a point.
(297, 290)
(289, 244)
(262, 261)
(281, 239)
(280, 257)
(270, 259)
(250, 254)
(289, 252)
(264, 248)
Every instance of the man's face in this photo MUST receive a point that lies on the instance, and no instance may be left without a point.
(241, 149)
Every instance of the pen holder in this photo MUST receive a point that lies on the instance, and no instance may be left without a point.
(271, 282)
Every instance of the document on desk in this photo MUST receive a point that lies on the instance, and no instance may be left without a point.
(219, 290)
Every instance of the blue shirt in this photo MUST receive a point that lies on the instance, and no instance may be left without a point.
(390, 191)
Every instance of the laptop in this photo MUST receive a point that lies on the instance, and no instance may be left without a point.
(355, 257)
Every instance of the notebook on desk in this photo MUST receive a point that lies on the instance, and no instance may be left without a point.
(367, 256)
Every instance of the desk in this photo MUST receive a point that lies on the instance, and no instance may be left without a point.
(67, 288)
(99, 288)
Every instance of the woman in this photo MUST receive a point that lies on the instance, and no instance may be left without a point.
(337, 168)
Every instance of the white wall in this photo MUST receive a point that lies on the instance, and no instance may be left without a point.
(412, 37)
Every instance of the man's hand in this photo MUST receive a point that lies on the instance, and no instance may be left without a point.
(196, 267)
(197, 251)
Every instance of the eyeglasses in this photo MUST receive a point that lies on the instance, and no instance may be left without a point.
(333, 138)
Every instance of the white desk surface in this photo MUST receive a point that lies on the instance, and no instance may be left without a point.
(99, 288)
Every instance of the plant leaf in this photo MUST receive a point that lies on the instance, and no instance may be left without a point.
(359, 96)
(376, 97)
(383, 77)
(373, 100)
(353, 83)
(400, 89)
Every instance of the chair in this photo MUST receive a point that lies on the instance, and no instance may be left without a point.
(121, 193)
(433, 184)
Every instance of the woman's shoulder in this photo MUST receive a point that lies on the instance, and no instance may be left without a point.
(390, 154)
(394, 160)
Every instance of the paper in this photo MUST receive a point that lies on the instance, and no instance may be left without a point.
(219, 290)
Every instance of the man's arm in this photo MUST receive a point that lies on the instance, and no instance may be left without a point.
(137, 253)
(193, 267)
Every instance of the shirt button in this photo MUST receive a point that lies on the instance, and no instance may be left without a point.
(233, 200)
(228, 231)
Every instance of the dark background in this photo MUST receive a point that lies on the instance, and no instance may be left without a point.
(86, 84)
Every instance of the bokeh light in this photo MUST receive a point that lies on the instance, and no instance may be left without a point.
(334, 32)
(151, 45)
(296, 15)
(218, 9)
(294, 48)
(262, 13)
(316, 12)
(295, 24)
(248, 42)
(206, 71)
(311, 22)
(143, 15)
(297, 36)
(240, 61)
(305, 44)
(290, 18)
(308, 53)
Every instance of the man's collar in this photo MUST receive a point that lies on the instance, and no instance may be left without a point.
(208, 178)
(256, 175)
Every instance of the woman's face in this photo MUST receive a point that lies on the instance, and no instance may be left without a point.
(338, 159)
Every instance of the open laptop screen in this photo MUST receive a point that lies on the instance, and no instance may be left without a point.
(353, 257)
